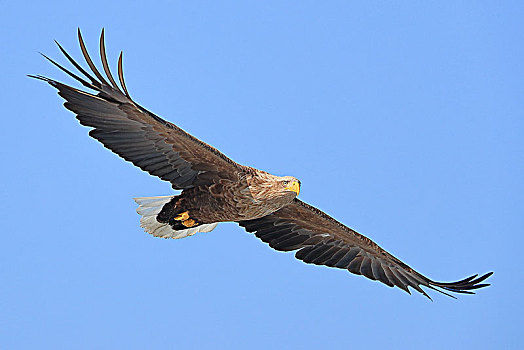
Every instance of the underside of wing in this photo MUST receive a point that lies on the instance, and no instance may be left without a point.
(137, 135)
(320, 239)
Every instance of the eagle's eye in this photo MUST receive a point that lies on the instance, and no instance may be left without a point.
(285, 182)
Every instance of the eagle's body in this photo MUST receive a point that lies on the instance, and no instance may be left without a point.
(253, 195)
(216, 189)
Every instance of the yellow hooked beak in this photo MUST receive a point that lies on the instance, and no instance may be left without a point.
(294, 186)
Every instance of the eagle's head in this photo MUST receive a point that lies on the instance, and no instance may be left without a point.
(290, 184)
(266, 187)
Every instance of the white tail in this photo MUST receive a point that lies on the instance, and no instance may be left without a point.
(149, 207)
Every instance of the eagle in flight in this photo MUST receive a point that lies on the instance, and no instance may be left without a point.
(216, 189)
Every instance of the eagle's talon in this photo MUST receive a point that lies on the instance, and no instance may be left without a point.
(182, 216)
(189, 223)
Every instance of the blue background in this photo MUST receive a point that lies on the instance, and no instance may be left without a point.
(403, 121)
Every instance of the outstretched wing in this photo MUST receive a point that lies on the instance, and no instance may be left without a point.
(135, 134)
(322, 240)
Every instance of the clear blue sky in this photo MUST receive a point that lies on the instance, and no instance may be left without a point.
(405, 121)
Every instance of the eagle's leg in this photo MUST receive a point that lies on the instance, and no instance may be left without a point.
(176, 214)
(186, 220)
(189, 223)
(182, 216)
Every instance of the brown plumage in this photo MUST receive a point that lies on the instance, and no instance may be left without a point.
(216, 189)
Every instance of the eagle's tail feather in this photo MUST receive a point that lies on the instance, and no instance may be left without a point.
(150, 207)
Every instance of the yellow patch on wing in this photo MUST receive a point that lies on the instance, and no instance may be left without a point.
(182, 216)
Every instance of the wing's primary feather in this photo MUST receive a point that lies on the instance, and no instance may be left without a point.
(137, 135)
(319, 239)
